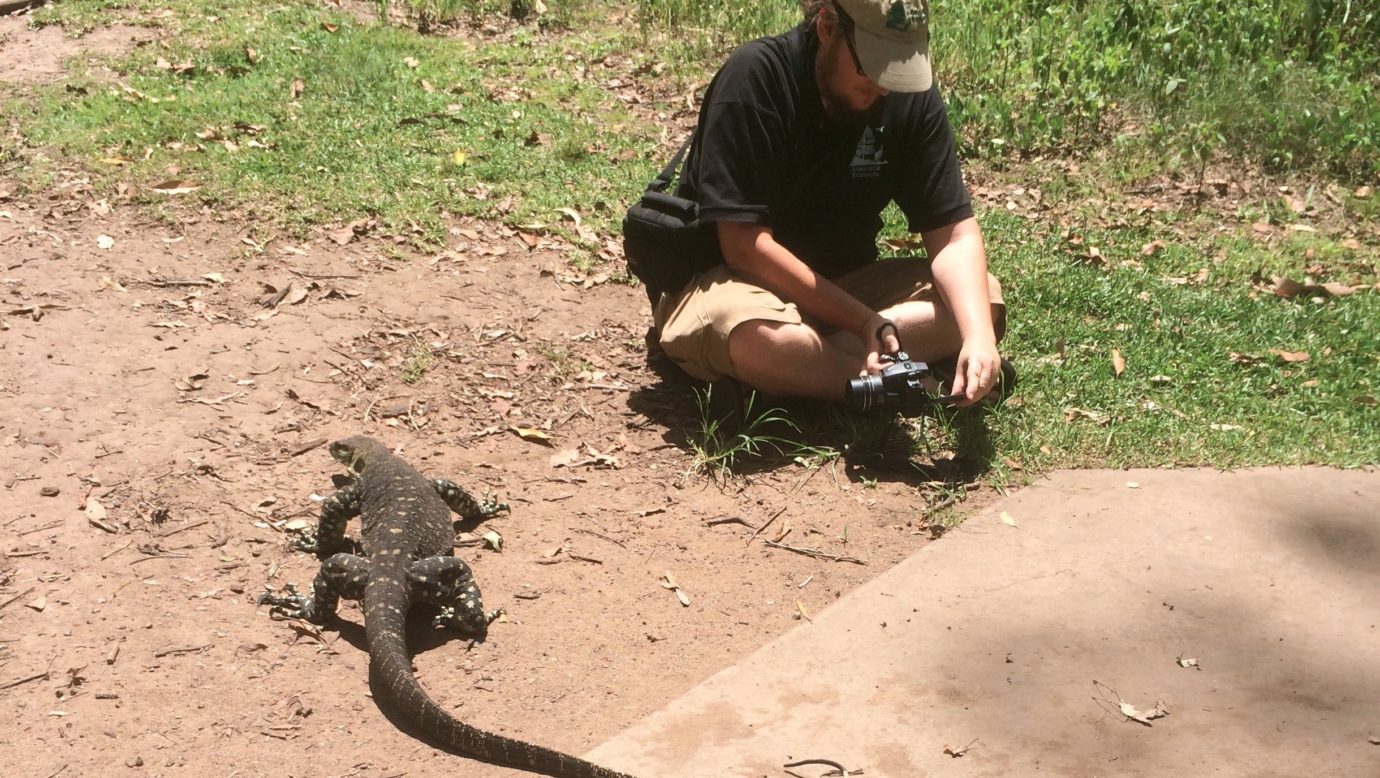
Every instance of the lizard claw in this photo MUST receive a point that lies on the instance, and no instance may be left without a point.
(305, 541)
(490, 507)
(288, 604)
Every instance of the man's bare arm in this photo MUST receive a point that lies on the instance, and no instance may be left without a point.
(752, 250)
(959, 263)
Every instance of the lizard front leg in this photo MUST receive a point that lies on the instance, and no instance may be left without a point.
(342, 575)
(329, 537)
(448, 582)
(462, 503)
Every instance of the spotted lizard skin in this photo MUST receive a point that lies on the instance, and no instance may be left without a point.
(407, 543)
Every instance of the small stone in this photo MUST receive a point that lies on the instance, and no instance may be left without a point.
(137, 761)
(50, 491)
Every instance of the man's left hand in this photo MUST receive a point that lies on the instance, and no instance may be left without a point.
(979, 370)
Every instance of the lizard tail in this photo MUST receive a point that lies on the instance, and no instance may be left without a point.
(385, 609)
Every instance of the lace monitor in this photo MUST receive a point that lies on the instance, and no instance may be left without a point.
(407, 543)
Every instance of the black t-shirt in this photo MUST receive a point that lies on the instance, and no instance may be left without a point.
(765, 154)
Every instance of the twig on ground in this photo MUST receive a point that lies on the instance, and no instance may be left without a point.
(370, 409)
(184, 650)
(184, 528)
(615, 541)
(158, 556)
(110, 554)
(24, 593)
(164, 283)
(810, 552)
(305, 447)
(758, 531)
(43, 676)
(40, 529)
(323, 276)
(839, 769)
(728, 520)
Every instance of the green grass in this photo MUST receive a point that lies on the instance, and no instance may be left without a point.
(307, 117)
(1287, 84)
(1201, 385)
(413, 129)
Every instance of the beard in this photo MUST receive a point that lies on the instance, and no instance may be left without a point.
(848, 118)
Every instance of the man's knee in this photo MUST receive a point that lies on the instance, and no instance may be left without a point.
(754, 337)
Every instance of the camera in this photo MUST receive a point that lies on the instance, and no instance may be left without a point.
(898, 387)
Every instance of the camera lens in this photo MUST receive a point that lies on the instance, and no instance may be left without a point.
(864, 393)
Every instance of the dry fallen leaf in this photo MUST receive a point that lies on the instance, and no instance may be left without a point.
(960, 751)
(174, 187)
(532, 434)
(669, 582)
(493, 540)
(1097, 417)
(1188, 662)
(1290, 356)
(1007, 519)
(1118, 363)
(1129, 711)
(565, 457)
(298, 87)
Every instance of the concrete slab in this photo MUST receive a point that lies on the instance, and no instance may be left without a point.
(1021, 641)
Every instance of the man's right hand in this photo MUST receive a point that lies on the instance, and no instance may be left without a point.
(880, 336)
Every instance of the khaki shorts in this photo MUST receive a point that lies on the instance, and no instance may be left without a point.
(696, 323)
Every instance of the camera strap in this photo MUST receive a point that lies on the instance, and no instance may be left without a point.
(882, 328)
(668, 173)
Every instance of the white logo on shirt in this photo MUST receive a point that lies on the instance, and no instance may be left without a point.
(869, 156)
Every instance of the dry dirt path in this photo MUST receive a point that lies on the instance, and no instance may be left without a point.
(161, 426)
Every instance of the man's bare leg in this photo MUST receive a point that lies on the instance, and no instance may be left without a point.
(795, 360)
(791, 360)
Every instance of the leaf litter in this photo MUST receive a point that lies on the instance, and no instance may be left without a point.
(1128, 711)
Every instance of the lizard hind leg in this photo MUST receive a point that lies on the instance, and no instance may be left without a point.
(447, 581)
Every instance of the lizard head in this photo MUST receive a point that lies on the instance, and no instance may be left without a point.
(352, 452)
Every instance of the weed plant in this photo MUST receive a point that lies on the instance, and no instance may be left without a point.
(721, 444)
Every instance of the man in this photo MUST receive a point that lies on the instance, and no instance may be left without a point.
(803, 139)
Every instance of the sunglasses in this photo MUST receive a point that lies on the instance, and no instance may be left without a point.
(846, 22)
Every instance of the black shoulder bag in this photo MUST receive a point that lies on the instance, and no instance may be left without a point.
(663, 240)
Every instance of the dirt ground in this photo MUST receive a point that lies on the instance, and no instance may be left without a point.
(167, 390)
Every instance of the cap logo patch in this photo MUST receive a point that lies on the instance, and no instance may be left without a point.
(903, 18)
